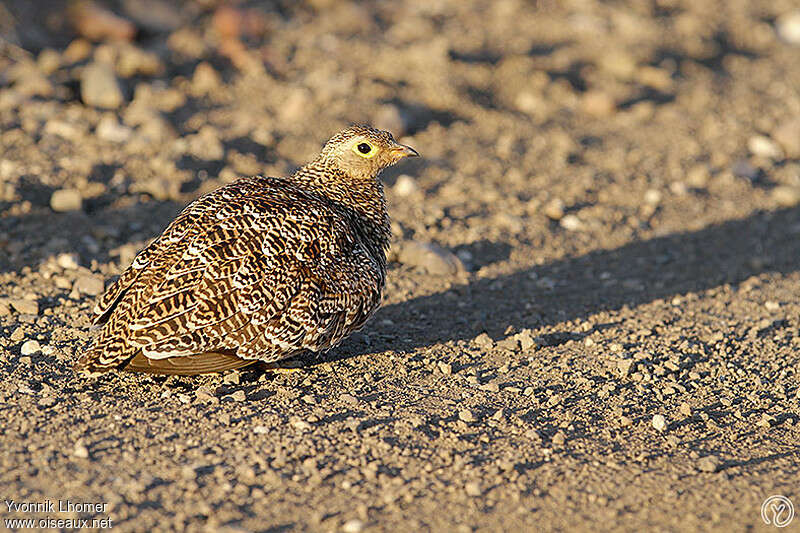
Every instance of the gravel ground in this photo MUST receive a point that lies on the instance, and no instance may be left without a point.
(592, 317)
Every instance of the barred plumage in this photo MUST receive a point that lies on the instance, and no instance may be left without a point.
(259, 270)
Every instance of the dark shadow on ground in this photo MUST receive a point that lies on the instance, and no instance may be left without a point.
(603, 280)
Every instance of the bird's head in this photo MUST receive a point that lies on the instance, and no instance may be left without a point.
(362, 152)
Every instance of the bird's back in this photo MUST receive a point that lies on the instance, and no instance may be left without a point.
(260, 269)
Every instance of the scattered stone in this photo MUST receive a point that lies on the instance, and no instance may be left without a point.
(445, 368)
(657, 78)
(659, 422)
(465, 415)
(786, 196)
(17, 335)
(490, 387)
(483, 341)
(48, 61)
(766, 421)
(239, 396)
(24, 306)
(625, 421)
(353, 526)
(206, 79)
(625, 366)
(554, 210)
(99, 87)
(764, 147)
(47, 401)
(558, 439)
(349, 398)
(653, 196)
(77, 50)
(429, 257)
(98, 24)
(510, 343)
(772, 306)
(598, 104)
(204, 394)
(299, 424)
(571, 223)
(685, 409)
(261, 430)
(788, 27)
(81, 451)
(618, 63)
(473, 488)
(787, 134)
(205, 144)
(526, 340)
(68, 261)
(109, 129)
(698, 176)
(133, 61)
(89, 285)
(64, 200)
(29, 347)
(405, 186)
(709, 463)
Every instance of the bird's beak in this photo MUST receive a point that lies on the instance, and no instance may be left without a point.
(401, 150)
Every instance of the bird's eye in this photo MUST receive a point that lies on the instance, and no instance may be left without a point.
(365, 149)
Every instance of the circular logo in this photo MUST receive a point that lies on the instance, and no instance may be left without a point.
(777, 511)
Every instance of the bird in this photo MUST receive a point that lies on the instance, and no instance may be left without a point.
(261, 269)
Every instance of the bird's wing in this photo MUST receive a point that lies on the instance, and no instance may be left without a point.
(246, 276)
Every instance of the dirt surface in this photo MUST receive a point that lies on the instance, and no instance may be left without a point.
(615, 348)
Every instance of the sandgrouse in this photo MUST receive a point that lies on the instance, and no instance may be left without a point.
(262, 269)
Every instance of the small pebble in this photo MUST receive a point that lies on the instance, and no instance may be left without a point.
(429, 257)
(239, 396)
(483, 341)
(30, 347)
(353, 526)
(554, 210)
(90, 285)
(405, 186)
(473, 488)
(571, 223)
(17, 335)
(24, 306)
(80, 451)
(786, 196)
(659, 422)
(349, 398)
(709, 463)
(445, 368)
(788, 27)
(764, 147)
(68, 261)
(99, 87)
(465, 415)
(64, 200)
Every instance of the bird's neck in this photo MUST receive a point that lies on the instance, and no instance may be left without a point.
(364, 197)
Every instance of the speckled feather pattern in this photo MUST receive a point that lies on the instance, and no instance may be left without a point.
(260, 269)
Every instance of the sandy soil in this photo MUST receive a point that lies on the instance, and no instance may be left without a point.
(618, 350)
